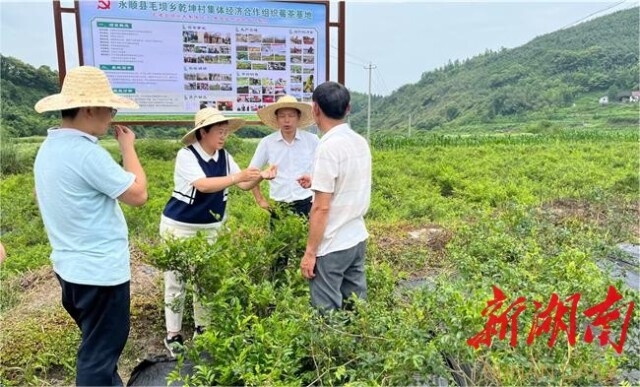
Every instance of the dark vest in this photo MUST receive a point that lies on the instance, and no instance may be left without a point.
(204, 207)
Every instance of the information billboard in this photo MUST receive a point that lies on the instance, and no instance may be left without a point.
(177, 57)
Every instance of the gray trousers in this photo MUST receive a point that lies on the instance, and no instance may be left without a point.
(339, 275)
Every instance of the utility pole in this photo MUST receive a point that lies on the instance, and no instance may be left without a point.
(370, 67)
(409, 124)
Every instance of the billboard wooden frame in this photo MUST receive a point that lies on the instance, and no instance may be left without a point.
(340, 24)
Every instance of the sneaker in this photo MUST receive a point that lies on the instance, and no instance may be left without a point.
(174, 345)
(198, 331)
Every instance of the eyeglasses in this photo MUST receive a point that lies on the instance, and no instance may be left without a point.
(221, 131)
(113, 112)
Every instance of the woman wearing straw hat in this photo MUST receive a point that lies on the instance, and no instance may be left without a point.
(203, 173)
(292, 150)
(78, 185)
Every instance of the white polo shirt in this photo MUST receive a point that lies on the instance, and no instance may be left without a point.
(342, 167)
(186, 172)
(293, 160)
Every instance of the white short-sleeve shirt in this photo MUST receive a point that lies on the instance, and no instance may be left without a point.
(342, 167)
(187, 171)
(293, 160)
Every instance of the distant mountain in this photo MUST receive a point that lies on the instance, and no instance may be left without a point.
(551, 70)
(22, 85)
(359, 101)
(601, 55)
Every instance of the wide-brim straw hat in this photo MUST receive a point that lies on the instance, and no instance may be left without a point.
(84, 86)
(268, 114)
(209, 116)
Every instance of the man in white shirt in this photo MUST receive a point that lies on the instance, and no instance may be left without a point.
(290, 149)
(341, 182)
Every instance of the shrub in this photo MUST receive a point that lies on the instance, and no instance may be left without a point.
(12, 161)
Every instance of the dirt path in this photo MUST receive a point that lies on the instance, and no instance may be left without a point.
(39, 300)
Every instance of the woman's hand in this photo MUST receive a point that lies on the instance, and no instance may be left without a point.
(249, 174)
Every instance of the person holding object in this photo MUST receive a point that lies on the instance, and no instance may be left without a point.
(292, 150)
(203, 173)
(333, 261)
(78, 186)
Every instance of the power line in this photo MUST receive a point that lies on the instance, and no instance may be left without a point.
(354, 63)
(347, 61)
(380, 85)
(351, 55)
(592, 14)
(376, 85)
(384, 84)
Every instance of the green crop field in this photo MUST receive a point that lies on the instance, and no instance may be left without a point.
(451, 216)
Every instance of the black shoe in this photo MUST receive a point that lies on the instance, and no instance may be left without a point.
(174, 345)
(198, 331)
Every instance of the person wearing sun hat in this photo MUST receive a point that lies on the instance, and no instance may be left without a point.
(78, 185)
(203, 173)
(292, 151)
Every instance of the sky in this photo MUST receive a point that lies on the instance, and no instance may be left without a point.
(402, 39)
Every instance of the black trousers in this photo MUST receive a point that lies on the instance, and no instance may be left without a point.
(301, 207)
(298, 207)
(102, 314)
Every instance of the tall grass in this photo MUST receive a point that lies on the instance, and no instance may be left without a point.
(12, 160)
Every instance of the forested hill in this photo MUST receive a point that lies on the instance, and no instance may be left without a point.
(21, 86)
(552, 70)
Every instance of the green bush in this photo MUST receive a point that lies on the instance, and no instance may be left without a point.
(531, 214)
(157, 149)
(12, 161)
(43, 349)
(253, 131)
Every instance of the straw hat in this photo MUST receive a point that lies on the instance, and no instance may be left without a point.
(209, 116)
(84, 86)
(268, 114)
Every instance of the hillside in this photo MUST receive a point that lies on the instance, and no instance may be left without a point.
(553, 71)
(21, 86)
(549, 72)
